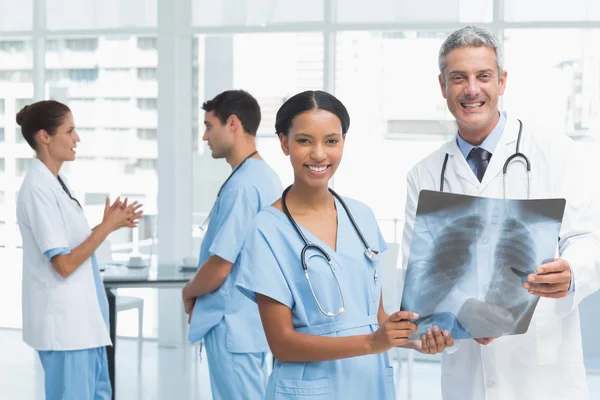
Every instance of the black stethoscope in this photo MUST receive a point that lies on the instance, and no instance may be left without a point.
(68, 192)
(504, 169)
(371, 254)
(205, 223)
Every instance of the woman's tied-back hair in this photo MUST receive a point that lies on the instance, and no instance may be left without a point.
(307, 101)
(45, 115)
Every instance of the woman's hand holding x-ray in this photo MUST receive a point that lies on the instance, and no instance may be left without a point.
(433, 341)
(394, 332)
(485, 320)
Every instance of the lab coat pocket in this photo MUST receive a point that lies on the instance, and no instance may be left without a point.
(391, 387)
(319, 389)
(548, 339)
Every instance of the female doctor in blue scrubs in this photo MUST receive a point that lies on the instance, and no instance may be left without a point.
(324, 322)
(65, 309)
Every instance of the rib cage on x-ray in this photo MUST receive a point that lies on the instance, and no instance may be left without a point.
(514, 259)
(452, 253)
(469, 257)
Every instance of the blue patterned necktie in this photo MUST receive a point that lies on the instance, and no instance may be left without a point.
(481, 158)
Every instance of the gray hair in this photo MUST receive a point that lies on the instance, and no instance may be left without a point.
(470, 36)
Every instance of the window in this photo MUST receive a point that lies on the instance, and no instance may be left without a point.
(23, 166)
(81, 45)
(85, 133)
(413, 11)
(246, 61)
(100, 14)
(53, 45)
(16, 76)
(20, 103)
(146, 74)
(551, 10)
(388, 64)
(96, 198)
(57, 75)
(573, 104)
(407, 128)
(2, 164)
(84, 75)
(16, 16)
(116, 74)
(100, 87)
(118, 108)
(19, 139)
(147, 104)
(1, 106)
(146, 43)
(147, 134)
(117, 102)
(15, 46)
(255, 12)
(2, 137)
(146, 163)
(83, 109)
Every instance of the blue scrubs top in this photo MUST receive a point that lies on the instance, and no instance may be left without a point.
(254, 186)
(271, 265)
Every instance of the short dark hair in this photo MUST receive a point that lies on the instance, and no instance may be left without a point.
(239, 103)
(307, 101)
(47, 115)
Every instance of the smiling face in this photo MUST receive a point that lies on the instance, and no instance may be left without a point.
(61, 146)
(472, 86)
(315, 144)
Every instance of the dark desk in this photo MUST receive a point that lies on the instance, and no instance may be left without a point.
(161, 277)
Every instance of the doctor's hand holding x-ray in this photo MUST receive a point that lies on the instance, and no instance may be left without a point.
(551, 280)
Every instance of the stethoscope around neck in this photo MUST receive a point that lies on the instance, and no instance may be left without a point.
(370, 253)
(205, 223)
(517, 154)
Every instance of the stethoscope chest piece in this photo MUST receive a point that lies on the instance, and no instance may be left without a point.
(371, 255)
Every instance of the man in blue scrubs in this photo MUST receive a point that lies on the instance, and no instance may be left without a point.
(229, 322)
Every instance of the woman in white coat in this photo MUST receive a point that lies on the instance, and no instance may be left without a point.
(65, 309)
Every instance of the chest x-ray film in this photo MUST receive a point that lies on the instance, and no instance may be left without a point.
(469, 257)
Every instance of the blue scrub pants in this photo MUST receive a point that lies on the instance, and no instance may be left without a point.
(76, 374)
(234, 375)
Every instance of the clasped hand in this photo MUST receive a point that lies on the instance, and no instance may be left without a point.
(121, 215)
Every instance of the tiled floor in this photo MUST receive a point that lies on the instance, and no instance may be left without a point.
(181, 377)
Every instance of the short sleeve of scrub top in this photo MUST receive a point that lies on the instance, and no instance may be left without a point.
(45, 220)
(238, 209)
(260, 271)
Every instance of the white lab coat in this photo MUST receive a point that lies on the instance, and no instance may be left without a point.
(547, 361)
(58, 313)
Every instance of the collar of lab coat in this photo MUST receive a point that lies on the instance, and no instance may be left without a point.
(505, 148)
(47, 177)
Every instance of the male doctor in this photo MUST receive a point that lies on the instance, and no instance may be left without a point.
(220, 314)
(547, 361)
